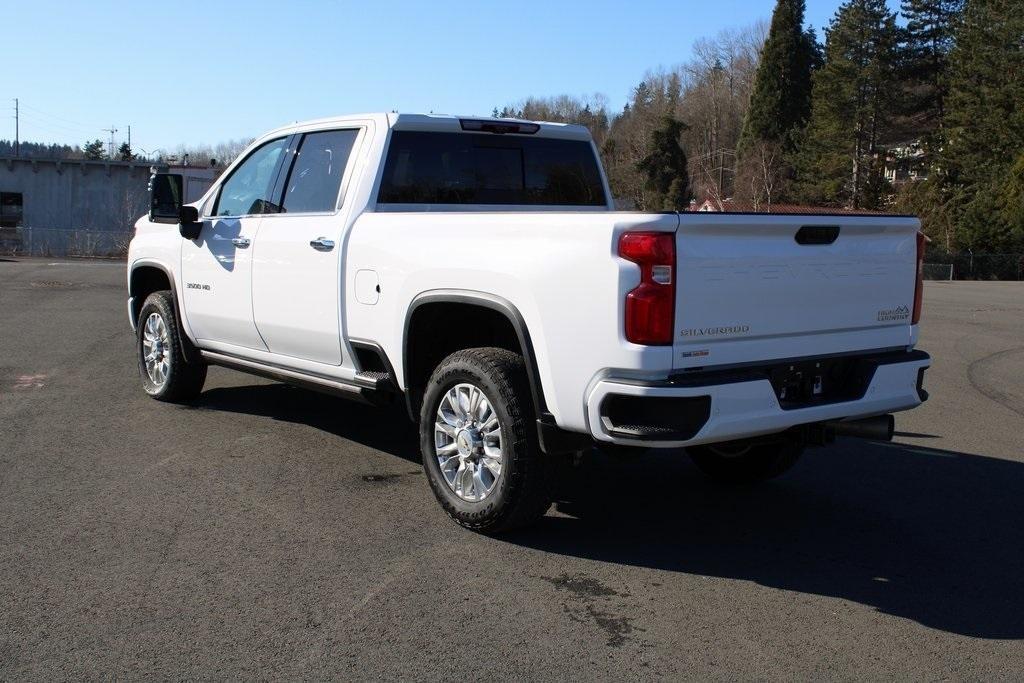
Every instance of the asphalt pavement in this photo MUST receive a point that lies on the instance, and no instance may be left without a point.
(270, 532)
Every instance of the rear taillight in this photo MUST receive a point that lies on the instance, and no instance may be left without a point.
(919, 283)
(650, 307)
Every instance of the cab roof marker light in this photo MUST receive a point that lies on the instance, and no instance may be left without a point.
(499, 127)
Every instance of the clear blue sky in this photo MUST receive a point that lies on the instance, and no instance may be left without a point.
(203, 72)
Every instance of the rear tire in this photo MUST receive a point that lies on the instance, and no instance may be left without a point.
(166, 375)
(479, 442)
(739, 462)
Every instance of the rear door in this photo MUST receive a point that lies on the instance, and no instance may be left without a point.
(296, 282)
(765, 287)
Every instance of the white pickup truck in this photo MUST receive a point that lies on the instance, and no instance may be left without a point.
(476, 270)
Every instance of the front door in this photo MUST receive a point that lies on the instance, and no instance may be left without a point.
(297, 260)
(216, 268)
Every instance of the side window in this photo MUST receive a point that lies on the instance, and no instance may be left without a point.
(316, 173)
(248, 189)
(10, 209)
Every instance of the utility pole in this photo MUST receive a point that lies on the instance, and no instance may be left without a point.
(17, 141)
(111, 130)
(129, 137)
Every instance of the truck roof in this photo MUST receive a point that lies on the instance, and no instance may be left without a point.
(444, 123)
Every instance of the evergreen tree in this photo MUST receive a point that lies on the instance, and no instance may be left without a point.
(643, 96)
(124, 152)
(927, 42)
(665, 168)
(780, 103)
(95, 150)
(985, 126)
(852, 107)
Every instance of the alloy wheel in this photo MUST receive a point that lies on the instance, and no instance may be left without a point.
(467, 442)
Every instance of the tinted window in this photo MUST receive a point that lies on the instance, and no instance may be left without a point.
(316, 174)
(248, 189)
(467, 168)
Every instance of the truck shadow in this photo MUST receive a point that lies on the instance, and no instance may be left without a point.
(929, 535)
(386, 429)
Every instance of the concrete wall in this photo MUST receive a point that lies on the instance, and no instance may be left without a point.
(89, 195)
(77, 195)
(86, 208)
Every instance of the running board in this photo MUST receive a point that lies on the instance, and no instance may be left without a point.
(325, 385)
(379, 381)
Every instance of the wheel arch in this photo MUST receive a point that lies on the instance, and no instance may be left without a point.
(147, 276)
(495, 305)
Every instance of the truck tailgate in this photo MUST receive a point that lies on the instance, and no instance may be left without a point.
(765, 287)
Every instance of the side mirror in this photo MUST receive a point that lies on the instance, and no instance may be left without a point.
(190, 227)
(166, 197)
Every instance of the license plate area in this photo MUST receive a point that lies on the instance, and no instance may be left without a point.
(826, 380)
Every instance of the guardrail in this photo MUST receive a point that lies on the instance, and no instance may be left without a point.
(31, 241)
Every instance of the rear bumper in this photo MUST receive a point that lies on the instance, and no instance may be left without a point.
(708, 407)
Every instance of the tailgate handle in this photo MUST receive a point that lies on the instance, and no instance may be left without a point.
(817, 234)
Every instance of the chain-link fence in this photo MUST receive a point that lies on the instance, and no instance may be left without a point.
(54, 242)
(937, 271)
(974, 265)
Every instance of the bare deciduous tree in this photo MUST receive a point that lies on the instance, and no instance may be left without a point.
(762, 175)
(709, 93)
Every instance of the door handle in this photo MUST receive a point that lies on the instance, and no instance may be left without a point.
(242, 242)
(322, 244)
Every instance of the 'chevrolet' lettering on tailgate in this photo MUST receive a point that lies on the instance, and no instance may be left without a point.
(779, 271)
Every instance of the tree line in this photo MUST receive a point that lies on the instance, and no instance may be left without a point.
(96, 150)
(218, 155)
(768, 116)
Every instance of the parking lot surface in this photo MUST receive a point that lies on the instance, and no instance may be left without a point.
(266, 531)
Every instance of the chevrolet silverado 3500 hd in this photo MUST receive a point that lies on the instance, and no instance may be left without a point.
(476, 270)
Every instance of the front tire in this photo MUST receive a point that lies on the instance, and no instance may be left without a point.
(479, 442)
(166, 375)
(739, 462)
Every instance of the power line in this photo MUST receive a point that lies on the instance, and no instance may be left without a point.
(48, 123)
(40, 112)
(42, 132)
(52, 126)
(34, 125)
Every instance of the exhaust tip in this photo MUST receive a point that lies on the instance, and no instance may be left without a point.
(878, 428)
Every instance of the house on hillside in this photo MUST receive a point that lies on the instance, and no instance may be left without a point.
(906, 162)
(730, 205)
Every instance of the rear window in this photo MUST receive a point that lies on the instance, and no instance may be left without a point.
(315, 177)
(470, 168)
